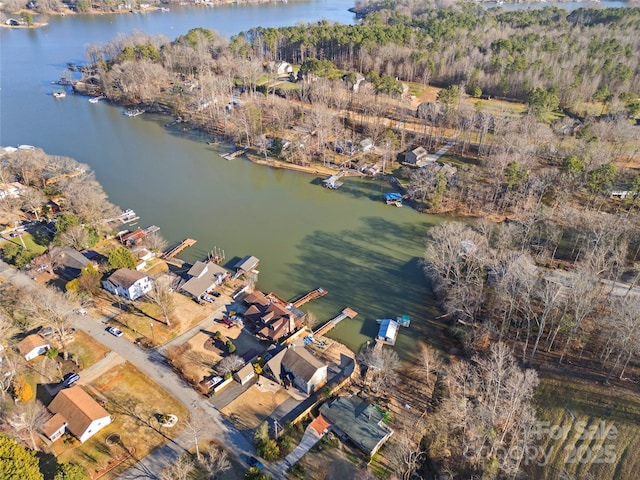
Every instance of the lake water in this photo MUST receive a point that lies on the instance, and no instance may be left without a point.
(365, 253)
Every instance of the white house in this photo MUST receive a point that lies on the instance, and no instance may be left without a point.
(75, 411)
(128, 283)
(32, 346)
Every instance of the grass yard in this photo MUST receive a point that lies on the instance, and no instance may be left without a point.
(254, 406)
(86, 350)
(333, 460)
(592, 429)
(137, 322)
(132, 399)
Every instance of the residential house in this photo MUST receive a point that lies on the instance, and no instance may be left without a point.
(32, 346)
(143, 255)
(203, 277)
(131, 238)
(69, 262)
(354, 419)
(366, 145)
(271, 317)
(280, 69)
(357, 79)
(417, 157)
(128, 283)
(245, 374)
(298, 366)
(76, 412)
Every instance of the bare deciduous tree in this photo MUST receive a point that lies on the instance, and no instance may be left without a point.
(161, 294)
(29, 417)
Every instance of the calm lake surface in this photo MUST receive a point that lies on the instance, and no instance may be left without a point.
(365, 253)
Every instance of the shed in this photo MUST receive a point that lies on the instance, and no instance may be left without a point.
(245, 374)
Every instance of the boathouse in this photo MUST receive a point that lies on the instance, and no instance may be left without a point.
(247, 264)
(388, 331)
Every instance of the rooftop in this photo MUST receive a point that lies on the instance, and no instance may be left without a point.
(247, 264)
(78, 408)
(31, 342)
(125, 277)
(360, 421)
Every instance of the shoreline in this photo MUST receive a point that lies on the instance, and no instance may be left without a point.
(153, 8)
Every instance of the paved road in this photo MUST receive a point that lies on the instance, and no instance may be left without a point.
(153, 364)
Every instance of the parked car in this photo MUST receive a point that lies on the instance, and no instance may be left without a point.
(208, 298)
(255, 463)
(46, 331)
(227, 321)
(81, 311)
(115, 331)
(69, 379)
(212, 382)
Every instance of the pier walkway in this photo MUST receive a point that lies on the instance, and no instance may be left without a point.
(187, 242)
(347, 312)
(232, 155)
(312, 295)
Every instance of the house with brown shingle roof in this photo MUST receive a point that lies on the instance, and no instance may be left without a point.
(127, 283)
(32, 346)
(272, 318)
(80, 414)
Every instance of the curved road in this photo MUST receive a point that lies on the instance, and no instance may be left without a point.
(153, 364)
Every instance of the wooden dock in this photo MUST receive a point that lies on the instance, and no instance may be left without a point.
(312, 295)
(187, 242)
(232, 155)
(347, 312)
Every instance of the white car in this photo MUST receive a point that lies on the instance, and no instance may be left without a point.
(115, 331)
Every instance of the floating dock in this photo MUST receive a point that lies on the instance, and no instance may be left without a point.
(187, 242)
(312, 295)
(347, 312)
(232, 155)
(333, 181)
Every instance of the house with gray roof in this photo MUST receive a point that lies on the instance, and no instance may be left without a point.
(69, 262)
(361, 423)
(298, 366)
(418, 157)
(203, 277)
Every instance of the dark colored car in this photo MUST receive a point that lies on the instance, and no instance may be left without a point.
(69, 379)
(255, 463)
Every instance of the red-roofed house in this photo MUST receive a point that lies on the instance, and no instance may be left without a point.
(32, 346)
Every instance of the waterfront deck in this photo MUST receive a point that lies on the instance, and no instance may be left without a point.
(333, 181)
(347, 312)
(187, 242)
(312, 295)
(232, 155)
